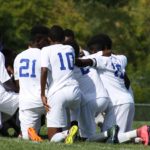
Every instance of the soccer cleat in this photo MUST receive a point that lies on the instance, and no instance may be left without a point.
(71, 135)
(143, 133)
(113, 134)
(33, 135)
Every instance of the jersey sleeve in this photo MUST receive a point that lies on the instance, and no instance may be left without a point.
(100, 61)
(4, 76)
(45, 61)
(123, 60)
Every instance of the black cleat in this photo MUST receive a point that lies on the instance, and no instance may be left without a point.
(113, 134)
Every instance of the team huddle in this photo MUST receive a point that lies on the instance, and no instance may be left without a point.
(55, 78)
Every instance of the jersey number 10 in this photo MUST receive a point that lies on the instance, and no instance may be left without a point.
(70, 61)
(24, 69)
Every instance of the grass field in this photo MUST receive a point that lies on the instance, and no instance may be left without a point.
(18, 144)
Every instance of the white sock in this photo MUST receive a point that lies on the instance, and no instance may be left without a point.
(127, 136)
(98, 137)
(138, 140)
(59, 137)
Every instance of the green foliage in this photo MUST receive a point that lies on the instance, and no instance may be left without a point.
(20, 16)
(127, 23)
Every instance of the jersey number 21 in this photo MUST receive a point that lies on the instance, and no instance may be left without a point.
(24, 69)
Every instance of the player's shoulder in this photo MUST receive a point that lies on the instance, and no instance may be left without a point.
(1, 55)
(63, 46)
(122, 57)
(95, 55)
(67, 46)
(47, 50)
(46, 47)
(19, 55)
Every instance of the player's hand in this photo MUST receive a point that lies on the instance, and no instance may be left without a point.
(44, 100)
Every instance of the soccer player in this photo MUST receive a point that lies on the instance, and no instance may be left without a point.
(94, 98)
(111, 69)
(64, 92)
(9, 59)
(27, 71)
(8, 99)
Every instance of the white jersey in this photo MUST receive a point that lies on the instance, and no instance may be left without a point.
(8, 101)
(86, 53)
(2, 91)
(27, 69)
(111, 70)
(3, 72)
(59, 59)
(90, 84)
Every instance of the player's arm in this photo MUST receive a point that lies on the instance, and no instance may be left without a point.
(17, 85)
(126, 81)
(93, 60)
(84, 62)
(43, 80)
(44, 71)
(10, 85)
(123, 60)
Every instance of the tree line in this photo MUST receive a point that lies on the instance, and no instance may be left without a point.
(127, 22)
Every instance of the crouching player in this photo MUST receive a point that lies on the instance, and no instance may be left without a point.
(58, 61)
(111, 69)
(27, 71)
(9, 100)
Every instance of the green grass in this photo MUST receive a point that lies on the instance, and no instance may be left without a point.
(15, 144)
(18, 144)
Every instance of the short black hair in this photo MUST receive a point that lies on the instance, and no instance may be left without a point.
(69, 33)
(99, 42)
(39, 36)
(56, 33)
(39, 30)
(75, 46)
(9, 55)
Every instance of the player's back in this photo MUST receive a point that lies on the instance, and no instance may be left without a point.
(27, 66)
(112, 76)
(59, 59)
(90, 84)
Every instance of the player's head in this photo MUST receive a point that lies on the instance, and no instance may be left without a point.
(75, 46)
(69, 35)
(9, 55)
(56, 34)
(99, 42)
(39, 36)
